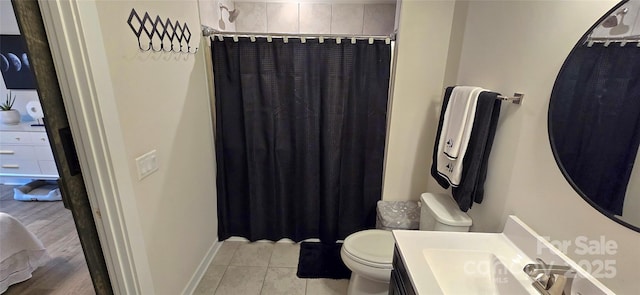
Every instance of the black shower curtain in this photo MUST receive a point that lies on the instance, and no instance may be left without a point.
(595, 120)
(300, 136)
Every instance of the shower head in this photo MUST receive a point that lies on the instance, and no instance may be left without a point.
(612, 20)
(233, 14)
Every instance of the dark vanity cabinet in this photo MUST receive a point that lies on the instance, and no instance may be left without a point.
(400, 283)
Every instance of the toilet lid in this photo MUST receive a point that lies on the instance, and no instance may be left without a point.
(372, 245)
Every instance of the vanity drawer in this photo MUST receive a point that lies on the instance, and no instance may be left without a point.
(401, 283)
(48, 167)
(12, 137)
(20, 167)
(14, 152)
(39, 138)
(43, 153)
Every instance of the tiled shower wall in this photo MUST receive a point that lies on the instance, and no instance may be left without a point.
(315, 18)
(212, 16)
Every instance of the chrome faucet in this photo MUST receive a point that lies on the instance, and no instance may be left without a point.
(550, 279)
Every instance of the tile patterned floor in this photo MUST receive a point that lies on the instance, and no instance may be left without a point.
(262, 268)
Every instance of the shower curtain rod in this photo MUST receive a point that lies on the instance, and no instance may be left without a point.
(591, 40)
(209, 31)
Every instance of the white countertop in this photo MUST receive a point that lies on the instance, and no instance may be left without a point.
(411, 245)
(22, 127)
(515, 247)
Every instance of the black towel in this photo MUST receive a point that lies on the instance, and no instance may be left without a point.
(474, 171)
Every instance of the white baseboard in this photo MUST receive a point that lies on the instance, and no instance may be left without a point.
(14, 180)
(202, 268)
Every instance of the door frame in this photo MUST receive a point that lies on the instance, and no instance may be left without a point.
(76, 46)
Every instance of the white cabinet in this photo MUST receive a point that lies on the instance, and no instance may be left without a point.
(25, 152)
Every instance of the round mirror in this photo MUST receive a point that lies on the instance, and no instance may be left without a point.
(594, 115)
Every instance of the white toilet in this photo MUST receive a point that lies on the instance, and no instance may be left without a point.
(369, 253)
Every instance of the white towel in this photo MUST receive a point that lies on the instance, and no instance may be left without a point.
(456, 131)
(21, 252)
(460, 110)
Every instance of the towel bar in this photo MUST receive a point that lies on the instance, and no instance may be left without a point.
(516, 98)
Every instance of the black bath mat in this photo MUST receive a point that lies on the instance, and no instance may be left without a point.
(318, 260)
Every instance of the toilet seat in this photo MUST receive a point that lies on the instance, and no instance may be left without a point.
(373, 248)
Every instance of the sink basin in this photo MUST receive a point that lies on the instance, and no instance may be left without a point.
(472, 272)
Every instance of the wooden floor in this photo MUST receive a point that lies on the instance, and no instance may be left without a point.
(67, 271)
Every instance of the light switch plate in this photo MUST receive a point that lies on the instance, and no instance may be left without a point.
(147, 164)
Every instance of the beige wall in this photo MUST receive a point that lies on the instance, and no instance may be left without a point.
(422, 49)
(163, 104)
(507, 46)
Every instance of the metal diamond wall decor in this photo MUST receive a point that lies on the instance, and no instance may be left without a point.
(160, 36)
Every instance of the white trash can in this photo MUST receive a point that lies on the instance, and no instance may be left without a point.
(398, 215)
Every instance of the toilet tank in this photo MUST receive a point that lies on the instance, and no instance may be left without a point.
(439, 212)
